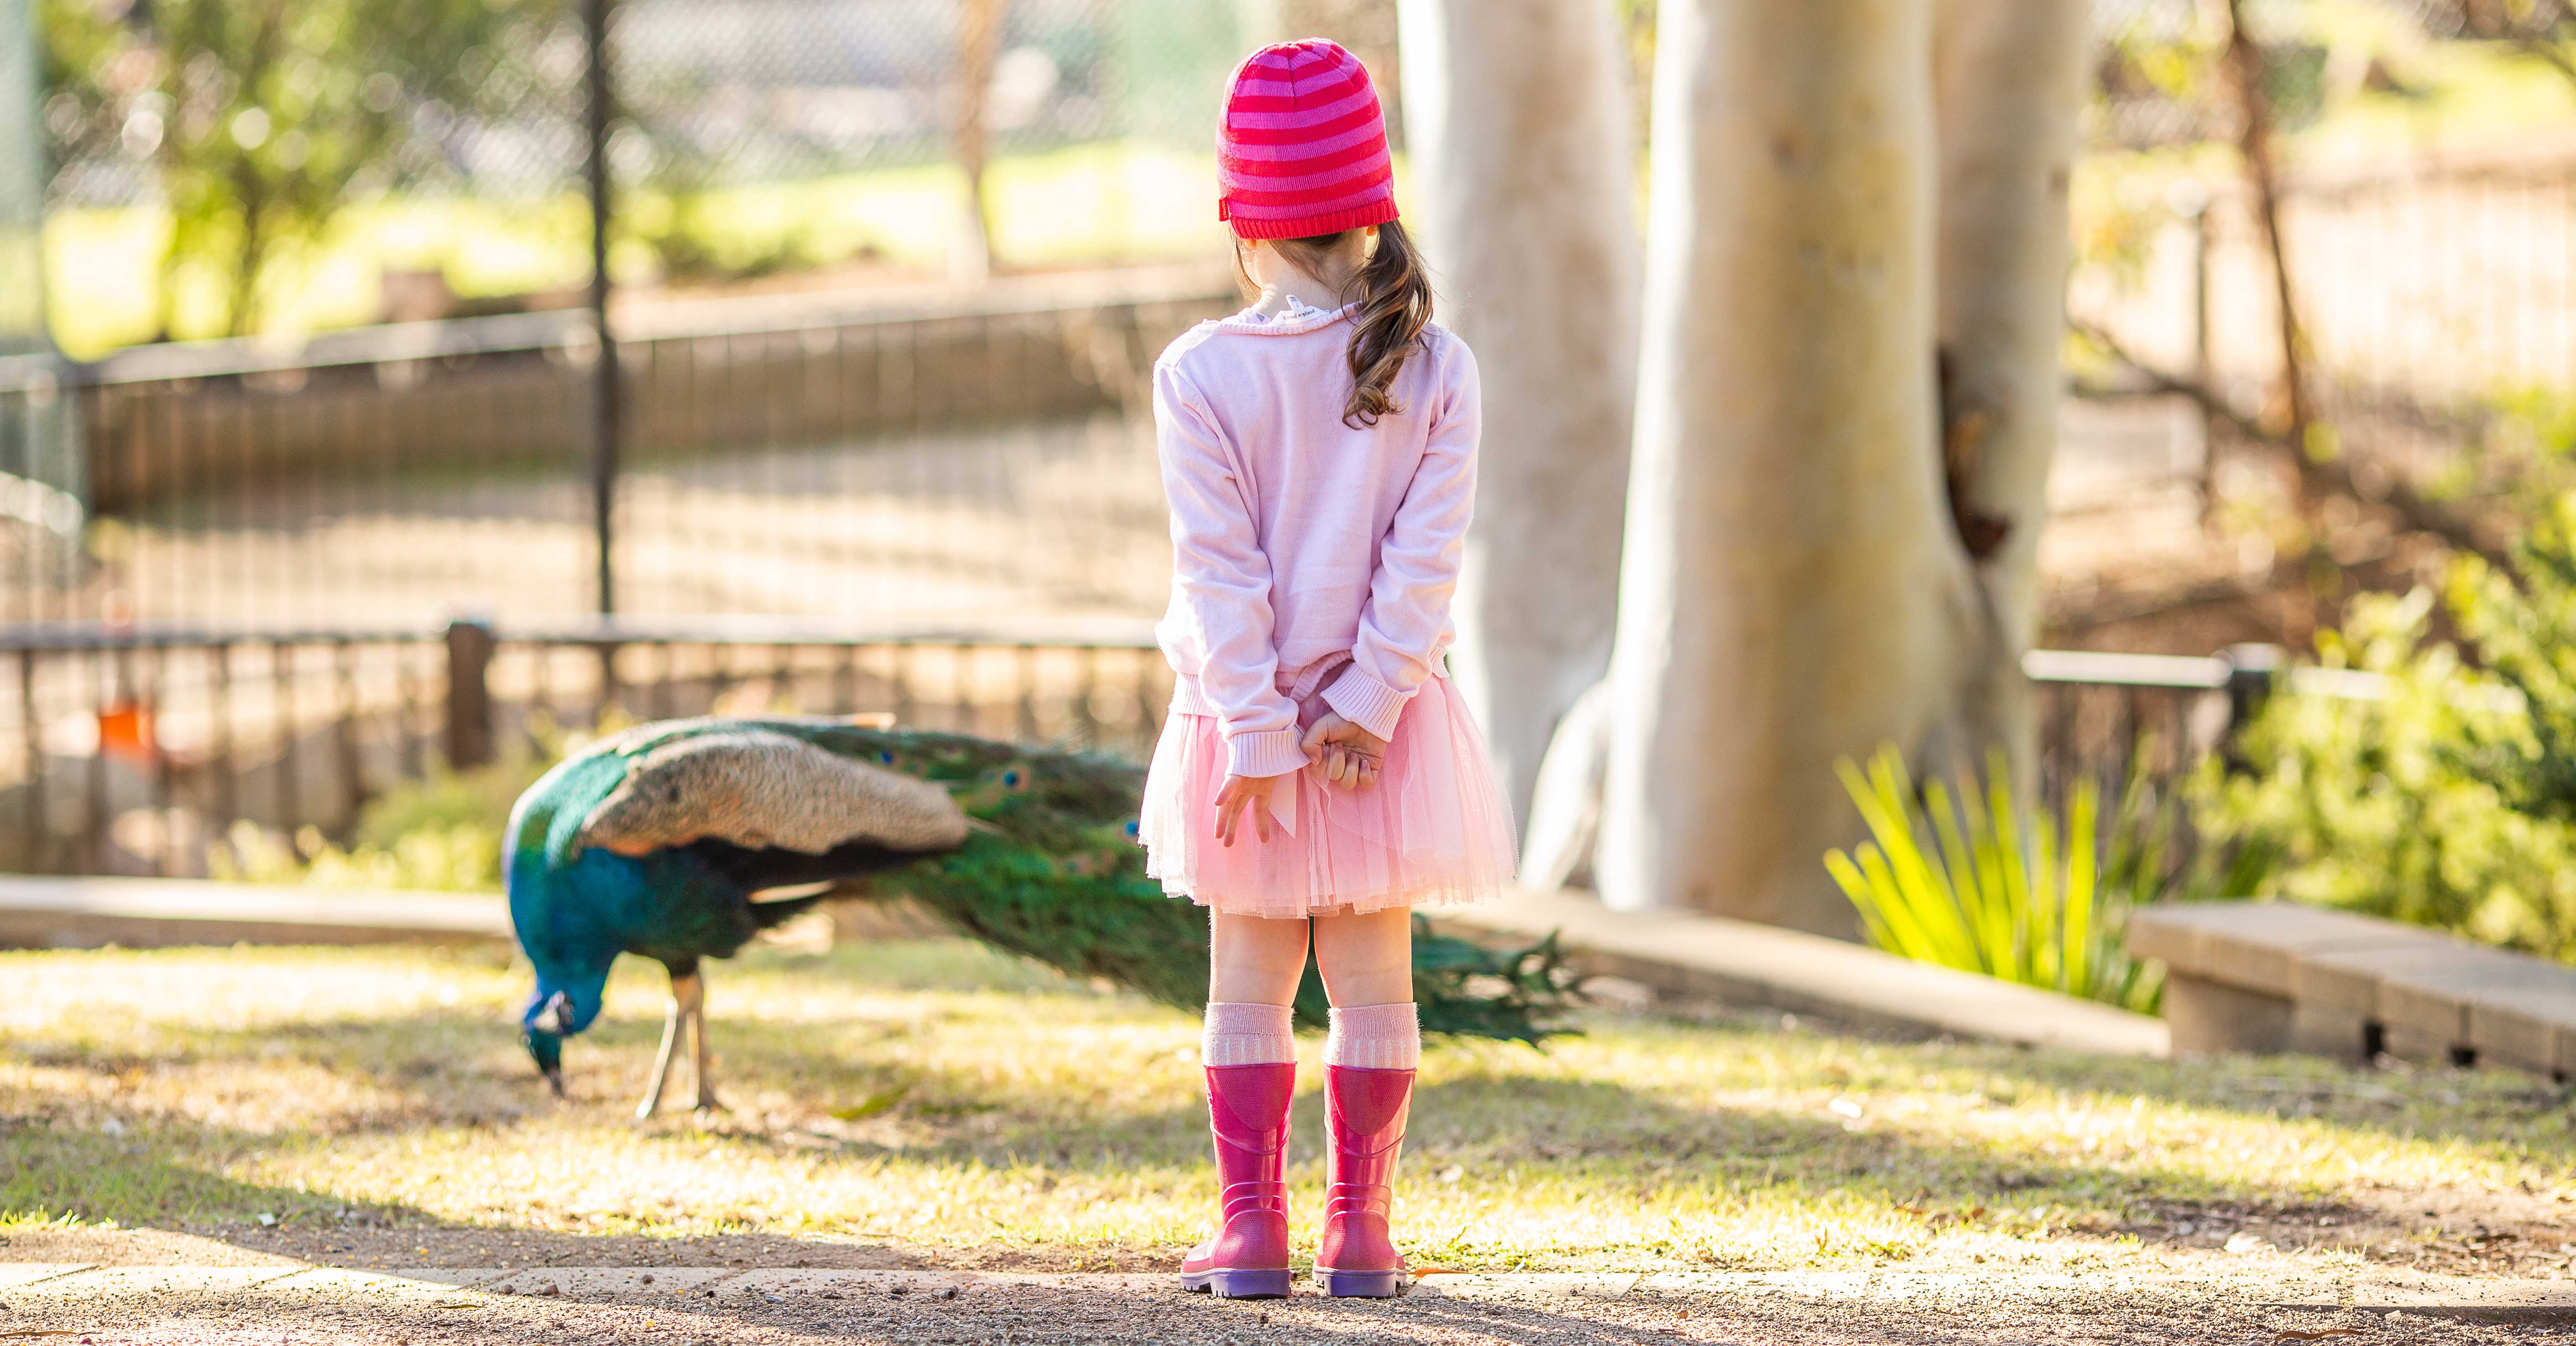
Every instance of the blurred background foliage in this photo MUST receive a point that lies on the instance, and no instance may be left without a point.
(2451, 800)
(256, 125)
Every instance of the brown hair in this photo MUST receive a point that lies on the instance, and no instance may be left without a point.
(1394, 298)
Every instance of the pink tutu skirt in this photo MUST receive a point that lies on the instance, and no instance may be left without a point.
(1432, 831)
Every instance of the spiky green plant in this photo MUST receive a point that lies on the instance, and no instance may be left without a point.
(1969, 879)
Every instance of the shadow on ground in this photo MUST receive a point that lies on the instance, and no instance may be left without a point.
(125, 1134)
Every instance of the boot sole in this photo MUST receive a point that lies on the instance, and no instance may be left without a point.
(1360, 1284)
(1238, 1284)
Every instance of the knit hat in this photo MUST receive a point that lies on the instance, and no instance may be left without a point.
(1302, 150)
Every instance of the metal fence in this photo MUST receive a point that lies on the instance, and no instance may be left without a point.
(2429, 235)
(146, 750)
(742, 137)
(291, 527)
(935, 455)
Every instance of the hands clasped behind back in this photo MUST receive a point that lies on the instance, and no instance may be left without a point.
(1351, 757)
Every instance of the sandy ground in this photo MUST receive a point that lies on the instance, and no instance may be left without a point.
(267, 1301)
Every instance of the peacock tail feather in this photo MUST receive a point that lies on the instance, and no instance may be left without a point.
(1050, 869)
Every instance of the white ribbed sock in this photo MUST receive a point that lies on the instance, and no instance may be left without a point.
(1378, 1037)
(1247, 1035)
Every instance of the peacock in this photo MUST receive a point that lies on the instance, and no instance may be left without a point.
(681, 840)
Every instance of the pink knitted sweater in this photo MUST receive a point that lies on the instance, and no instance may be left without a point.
(1298, 541)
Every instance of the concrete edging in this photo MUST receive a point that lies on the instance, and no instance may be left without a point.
(1688, 956)
(2278, 976)
(49, 912)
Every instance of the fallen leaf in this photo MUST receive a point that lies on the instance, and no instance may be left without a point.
(2279, 1337)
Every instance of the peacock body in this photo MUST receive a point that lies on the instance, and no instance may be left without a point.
(681, 840)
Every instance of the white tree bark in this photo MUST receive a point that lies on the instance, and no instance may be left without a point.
(1792, 589)
(1517, 121)
(2008, 77)
(1847, 409)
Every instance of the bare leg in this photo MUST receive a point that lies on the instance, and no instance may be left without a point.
(1366, 960)
(1254, 961)
(695, 998)
(672, 1026)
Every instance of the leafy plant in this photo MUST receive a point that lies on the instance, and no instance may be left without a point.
(1969, 879)
(2450, 799)
(441, 833)
(260, 119)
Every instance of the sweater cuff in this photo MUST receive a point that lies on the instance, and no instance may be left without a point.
(1271, 752)
(1366, 702)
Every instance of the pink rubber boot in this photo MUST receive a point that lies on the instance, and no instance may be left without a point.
(1364, 1114)
(1248, 1111)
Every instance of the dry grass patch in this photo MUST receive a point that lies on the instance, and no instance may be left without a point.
(939, 1102)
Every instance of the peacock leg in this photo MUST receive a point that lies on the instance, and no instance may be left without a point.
(697, 1013)
(672, 1027)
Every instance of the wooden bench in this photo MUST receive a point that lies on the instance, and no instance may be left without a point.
(2287, 977)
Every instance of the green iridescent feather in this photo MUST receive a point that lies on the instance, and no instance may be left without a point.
(1050, 869)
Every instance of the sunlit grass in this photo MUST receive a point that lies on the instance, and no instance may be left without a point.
(1103, 203)
(934, 1097)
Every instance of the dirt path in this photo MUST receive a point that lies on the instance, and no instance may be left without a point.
(267, 1299)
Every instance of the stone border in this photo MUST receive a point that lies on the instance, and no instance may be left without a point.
(1685, 956)
(43, 912)
(2285, 976)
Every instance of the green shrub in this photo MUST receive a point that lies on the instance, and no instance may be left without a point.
(2451, 801)
(1969, 879)
(440, 833)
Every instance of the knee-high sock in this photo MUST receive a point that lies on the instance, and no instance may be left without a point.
(1247, 1035)
(1375, 1037)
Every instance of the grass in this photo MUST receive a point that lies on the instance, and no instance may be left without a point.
(937, 1098)
(1088, 204)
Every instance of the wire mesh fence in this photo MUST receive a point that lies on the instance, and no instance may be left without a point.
(952, 462)
(793, 189)
(248, 551)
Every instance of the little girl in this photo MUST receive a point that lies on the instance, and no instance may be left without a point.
(1317, 772)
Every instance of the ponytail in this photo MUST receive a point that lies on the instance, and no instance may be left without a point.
(1395, 305)
(1394, 299)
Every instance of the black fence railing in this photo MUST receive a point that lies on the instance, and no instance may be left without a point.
(2110, 718)
(147, 749)
(144, 750)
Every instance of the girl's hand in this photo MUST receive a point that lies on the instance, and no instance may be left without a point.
(1350, 755)
(1237, 794)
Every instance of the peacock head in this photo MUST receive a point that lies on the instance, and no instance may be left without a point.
(554, 1013)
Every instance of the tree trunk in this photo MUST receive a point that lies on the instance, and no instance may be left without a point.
(251, 254)
(2008, 87)
(1517, 120)
(979, 40)
(1820, 557)
(2247, 68)
(1791, 591)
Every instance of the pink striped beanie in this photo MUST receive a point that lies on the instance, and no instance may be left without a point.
(1302, 149)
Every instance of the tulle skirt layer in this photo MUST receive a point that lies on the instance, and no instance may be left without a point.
(1433, 831)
